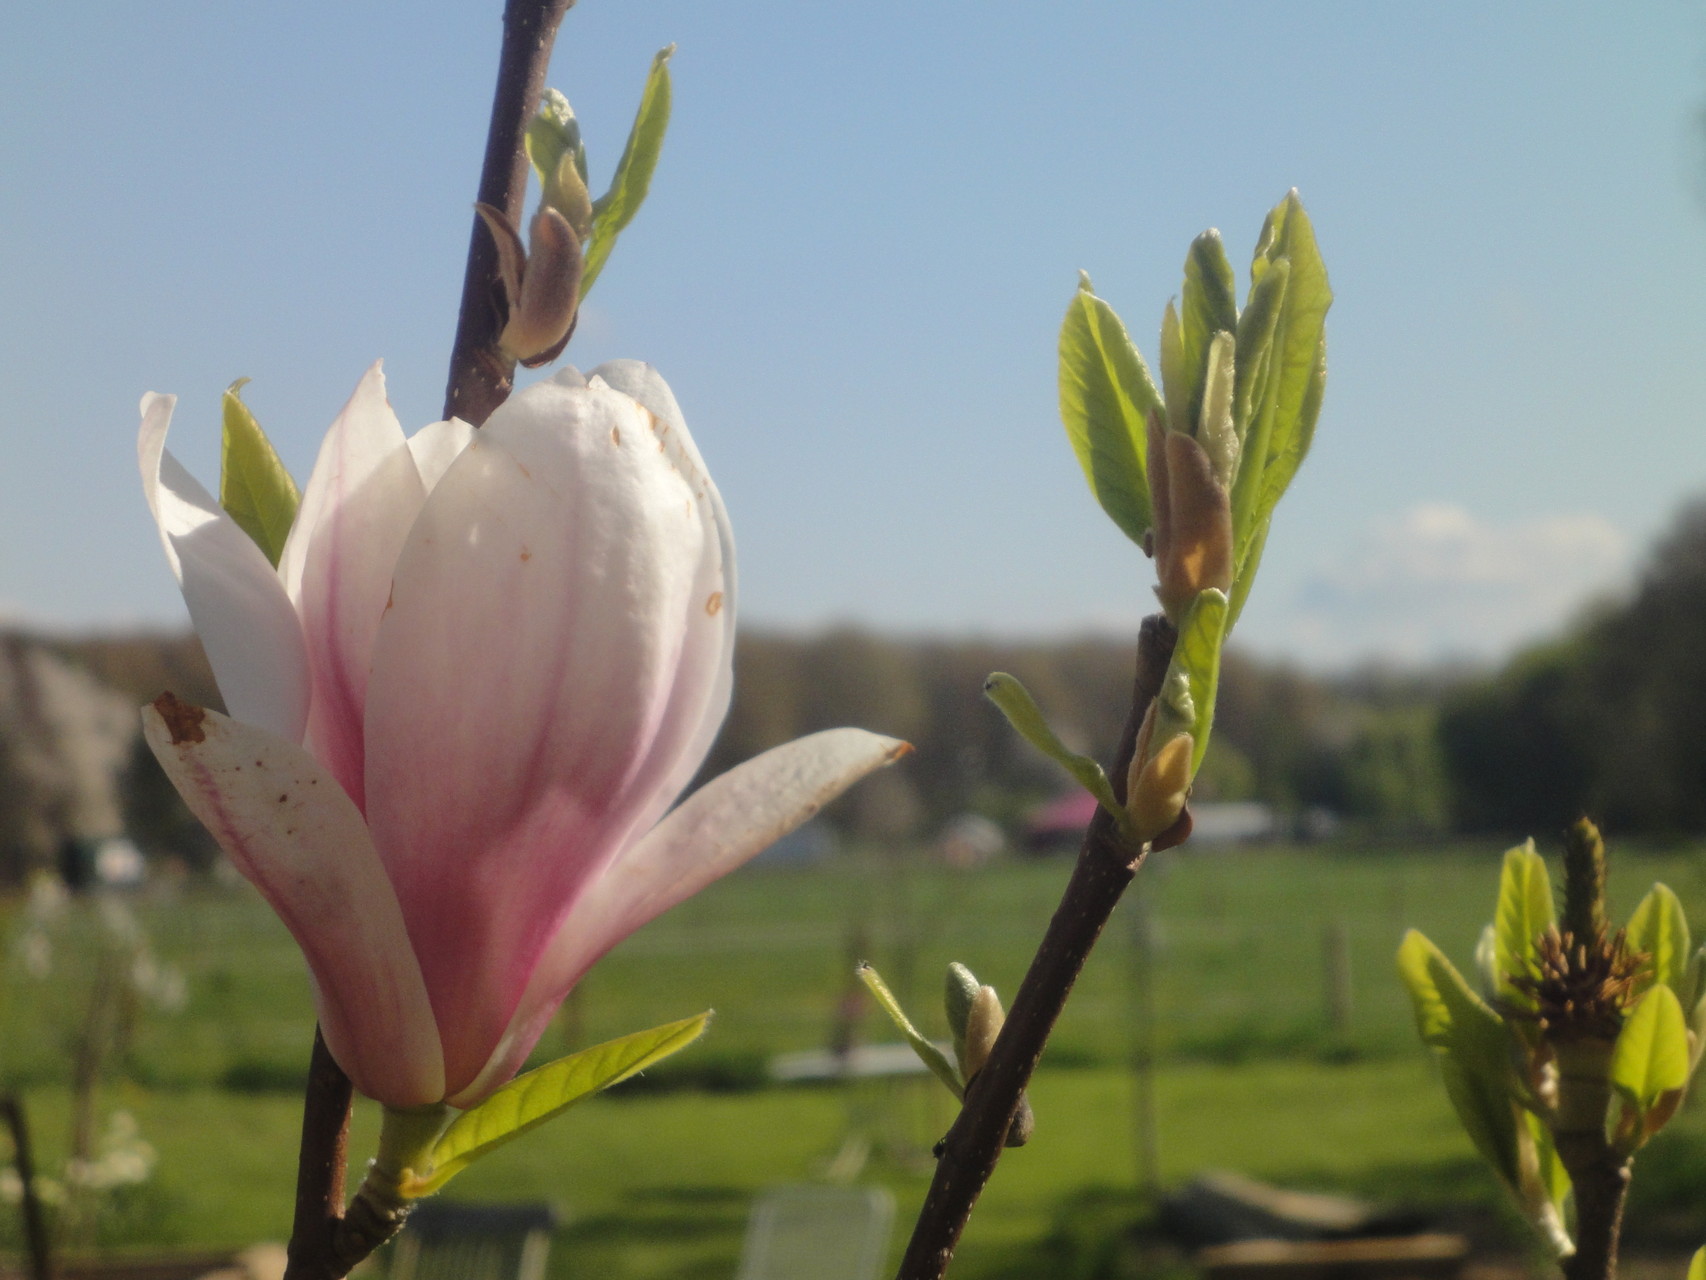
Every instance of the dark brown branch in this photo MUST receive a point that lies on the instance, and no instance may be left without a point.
(320, 1169)
(35, 1229)
(1104, 868)
(1600, 1191)
(480, 375)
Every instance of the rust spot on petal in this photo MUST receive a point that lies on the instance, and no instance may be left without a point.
(526, 555)
(899, 751)
(183, 719)
(714, 603)
(616, 436)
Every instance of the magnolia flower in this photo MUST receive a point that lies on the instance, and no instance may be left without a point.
(461, 707)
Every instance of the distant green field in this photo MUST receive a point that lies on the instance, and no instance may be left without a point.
(656, 1180)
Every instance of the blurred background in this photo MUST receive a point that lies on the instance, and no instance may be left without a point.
(1482, 610)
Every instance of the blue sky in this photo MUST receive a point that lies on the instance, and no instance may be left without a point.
(867, 223)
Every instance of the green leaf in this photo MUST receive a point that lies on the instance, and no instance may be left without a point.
(1244, 576)
(1546, 1185)
(254, 487)
(1474, 1050)
(1255, 348)
(1524, 911)
(552, 134)
(1208, 305)
(1106, 397)
(1286, 401)
(1186, 702)
(616, 208)
(927, 1052)
(1650, 1057)
(1660, 929)
(1022, 712)
(530, 1100)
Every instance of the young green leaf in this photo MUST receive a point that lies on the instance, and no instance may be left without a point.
(1255, 348)
(1186, 704)
(1244, 572)
(1545, 1185)
(616, 208)
(1208, 305)
(530, 1100)
(552, 134)
(927, 1052)
(1474, 1050)
(1660, 929)
(1106, 396)
(1524, 911)
(254, 487)
(1015, 702)
(1283, 407)
(1650, 1058)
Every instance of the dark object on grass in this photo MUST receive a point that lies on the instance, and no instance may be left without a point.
(449, 1241)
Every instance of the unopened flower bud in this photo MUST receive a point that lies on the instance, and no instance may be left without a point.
(1158, 786)
(541, 282)
(959, 994)
(983, 1024)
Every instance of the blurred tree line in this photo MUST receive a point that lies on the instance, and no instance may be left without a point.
(1609, 720)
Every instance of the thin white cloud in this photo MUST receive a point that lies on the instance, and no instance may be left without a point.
(1437, 582)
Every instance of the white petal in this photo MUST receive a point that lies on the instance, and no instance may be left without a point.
(705, 676)
(240, 610)
(522, 687)
(337, 564)
(718, 828)
(291, 830)
(436, 445)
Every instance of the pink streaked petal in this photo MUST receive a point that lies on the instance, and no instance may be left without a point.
(519, 684)
(718, 828)
(363, 496)
(705, 676)
(240, 610)
(291, 830)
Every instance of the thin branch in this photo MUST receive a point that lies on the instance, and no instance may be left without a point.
(480, 375)
(969, 1153)
(320, 1168)
(35, 1228)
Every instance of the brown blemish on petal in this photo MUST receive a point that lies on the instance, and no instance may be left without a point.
(283, 796)
(898, 751)
(616, 436)
(714, 603)
(183, 719)
(526, 555)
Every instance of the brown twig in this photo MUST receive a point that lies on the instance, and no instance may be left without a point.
(1600, 1189)
(1104, 868)
(35, 1229)
(320, 1170)
(481, 376)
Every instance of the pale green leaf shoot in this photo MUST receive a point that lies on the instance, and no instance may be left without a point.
(1106, 397)
(1660, 929)
(1186, 702)
(1650, 1058)
(1473, 1045)
(1208, 305)
(1015, 702)
(926, 1050)
(552, 134)
(530, 1100)
(254, 487)
(616, 208)
(1524, 911)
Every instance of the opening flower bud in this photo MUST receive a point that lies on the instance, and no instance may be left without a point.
(1193, 519)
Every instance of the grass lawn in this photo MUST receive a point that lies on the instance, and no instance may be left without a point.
(656, 1182)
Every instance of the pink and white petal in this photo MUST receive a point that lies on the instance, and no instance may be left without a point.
(705, 675)
(520, 682)
(240, 610)
(356, 511)
(435, 446)
(288, 826)
(718, 828)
